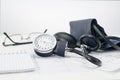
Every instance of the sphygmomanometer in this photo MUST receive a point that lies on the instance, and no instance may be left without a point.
(85, 34)
(45, 45)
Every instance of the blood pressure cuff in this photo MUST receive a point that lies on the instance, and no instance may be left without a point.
(91, 27)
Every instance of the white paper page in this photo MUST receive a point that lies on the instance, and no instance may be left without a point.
(110, 61)
(14, 60)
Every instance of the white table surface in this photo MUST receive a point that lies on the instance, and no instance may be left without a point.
(72, 67)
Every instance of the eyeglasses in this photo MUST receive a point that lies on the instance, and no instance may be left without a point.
(18, 39)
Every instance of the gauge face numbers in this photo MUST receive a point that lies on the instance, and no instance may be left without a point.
(45, 43)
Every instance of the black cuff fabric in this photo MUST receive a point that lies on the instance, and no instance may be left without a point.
(86, 27)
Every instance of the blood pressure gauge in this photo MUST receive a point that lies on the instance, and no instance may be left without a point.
(44, 45)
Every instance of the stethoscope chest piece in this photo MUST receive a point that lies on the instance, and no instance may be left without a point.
(44, 45)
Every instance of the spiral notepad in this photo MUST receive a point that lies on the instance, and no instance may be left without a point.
(14, 61)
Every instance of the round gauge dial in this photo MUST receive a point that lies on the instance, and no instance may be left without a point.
(45, 43)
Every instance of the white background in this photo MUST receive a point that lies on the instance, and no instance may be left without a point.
(25, 16)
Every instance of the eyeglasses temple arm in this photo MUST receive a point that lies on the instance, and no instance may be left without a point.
(16, 44)
(14, 41)
(45, 31)
(9, 37)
